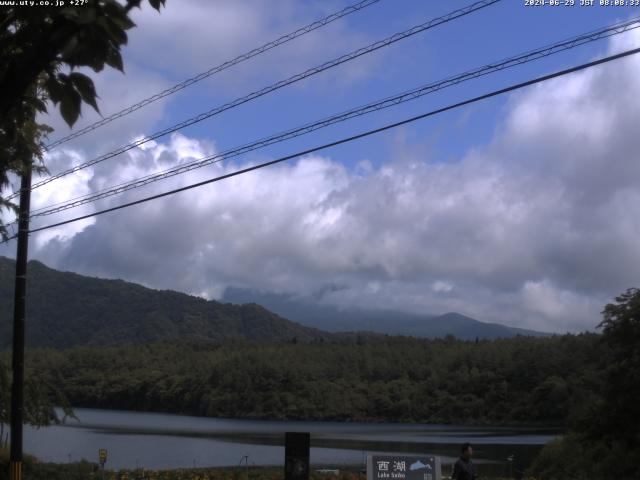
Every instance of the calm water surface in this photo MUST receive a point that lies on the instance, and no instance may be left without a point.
(156, 441)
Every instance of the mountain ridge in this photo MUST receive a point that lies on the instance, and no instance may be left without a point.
(333, 319)
(66, 309)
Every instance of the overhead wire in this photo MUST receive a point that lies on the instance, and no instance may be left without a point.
(455, 14)
(367, 133)
(410, 95)
(356, 7)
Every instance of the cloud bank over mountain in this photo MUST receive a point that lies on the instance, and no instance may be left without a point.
(538, 228)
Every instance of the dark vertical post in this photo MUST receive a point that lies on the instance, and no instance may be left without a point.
(296, 455)
(17, 386)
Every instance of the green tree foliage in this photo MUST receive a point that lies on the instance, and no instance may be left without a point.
(33, 469)
(621, 394)
(41, 49)
(42, 396)
(365, 379)
(5, 402)
(604, 439)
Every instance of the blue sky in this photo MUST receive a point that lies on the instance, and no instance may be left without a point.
(494, 33)
(517, 210)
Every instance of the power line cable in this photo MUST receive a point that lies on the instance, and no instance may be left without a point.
(493, 67)
(217, 69)
(276, 86)
(349, 139)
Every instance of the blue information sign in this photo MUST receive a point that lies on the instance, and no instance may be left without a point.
(401, 467)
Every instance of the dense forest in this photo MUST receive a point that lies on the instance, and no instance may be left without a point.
(519, 380)
(246, 362)
(603, 438)
(588, 383)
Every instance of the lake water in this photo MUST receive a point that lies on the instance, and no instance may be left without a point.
(158, 441)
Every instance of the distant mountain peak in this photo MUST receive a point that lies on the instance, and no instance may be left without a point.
(309, 312)
(67, 309)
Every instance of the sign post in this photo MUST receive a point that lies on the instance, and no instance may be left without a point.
(102, 455)
(19, 315)
(296, 448)
(402, 467)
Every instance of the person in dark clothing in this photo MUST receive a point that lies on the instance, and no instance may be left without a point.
(464, 469)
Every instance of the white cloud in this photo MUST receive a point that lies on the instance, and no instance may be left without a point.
(187, 38)
(116, 91)
(538, 229)
(560, 305)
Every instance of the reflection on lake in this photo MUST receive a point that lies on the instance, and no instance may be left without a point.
(170, 441)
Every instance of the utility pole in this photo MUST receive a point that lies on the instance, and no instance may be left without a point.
(17, 385)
